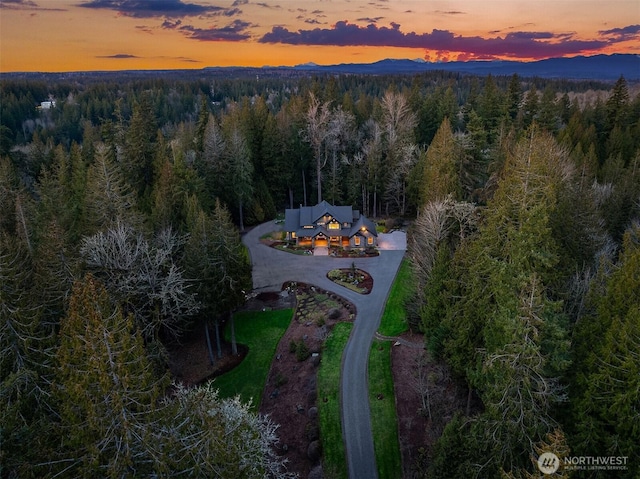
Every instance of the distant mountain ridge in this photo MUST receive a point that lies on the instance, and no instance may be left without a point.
(597, 67)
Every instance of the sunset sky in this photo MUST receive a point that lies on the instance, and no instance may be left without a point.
(71, 35)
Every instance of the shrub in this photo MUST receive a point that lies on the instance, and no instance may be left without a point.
(302, 351)
(280, 379)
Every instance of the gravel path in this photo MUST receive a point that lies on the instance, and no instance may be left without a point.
(271, 268)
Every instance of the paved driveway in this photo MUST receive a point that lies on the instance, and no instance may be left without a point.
(271, 268)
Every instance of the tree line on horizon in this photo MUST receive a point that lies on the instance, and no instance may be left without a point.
(121, 212)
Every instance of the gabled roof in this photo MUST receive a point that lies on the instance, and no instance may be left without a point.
(296, 219)
(291, 219)
(366, 223)
(344, 214)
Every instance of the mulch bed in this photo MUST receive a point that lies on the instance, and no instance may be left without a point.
(366, 284)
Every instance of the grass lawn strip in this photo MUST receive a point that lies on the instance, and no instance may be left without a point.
(260, 331)
(384, 421)
(334, 456)
(394, 319)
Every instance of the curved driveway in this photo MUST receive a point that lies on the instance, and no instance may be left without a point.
(271, 268)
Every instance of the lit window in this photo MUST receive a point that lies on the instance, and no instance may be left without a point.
(293, 235)
(334, 226)
(357, 240)
(370, 240)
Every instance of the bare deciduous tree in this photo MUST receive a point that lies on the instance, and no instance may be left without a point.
(439, 221)
(316, 132)
(212, 437)
(142, 277)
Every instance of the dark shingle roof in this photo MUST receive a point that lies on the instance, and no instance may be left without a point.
(295, 219)
(365, 223)
(291, 219)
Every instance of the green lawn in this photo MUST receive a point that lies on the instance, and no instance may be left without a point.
(260, 331)
(384, 422)
(394, 319)
(334, 458)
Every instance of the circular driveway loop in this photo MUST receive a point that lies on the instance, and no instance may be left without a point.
(271, 268)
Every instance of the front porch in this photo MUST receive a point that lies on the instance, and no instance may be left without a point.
(323, 241)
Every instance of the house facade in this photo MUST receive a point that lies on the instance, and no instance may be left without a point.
(327, 225)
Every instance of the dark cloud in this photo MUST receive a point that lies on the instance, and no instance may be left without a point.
(144, 28)
(19, 4)
(630, 32)
(119, 56)
(171, 25)
(369, 19)
(234, 32)
(237, 3)
(153, 8)
(231, 12)
(26, 5)
(450, 12)
(514, 44)
(181, 59)
(128, 56)
(266, 5)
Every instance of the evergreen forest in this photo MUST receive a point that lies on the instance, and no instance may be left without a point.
(122, 209)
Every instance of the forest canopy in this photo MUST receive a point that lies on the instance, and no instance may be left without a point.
(122, 206)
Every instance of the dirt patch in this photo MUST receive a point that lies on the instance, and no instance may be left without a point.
(420, 423)
(189, 361)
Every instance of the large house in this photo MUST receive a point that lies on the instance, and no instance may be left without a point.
(328, 225)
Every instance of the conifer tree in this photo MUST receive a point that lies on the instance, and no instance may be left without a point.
(514, 97)
(109, 198)
(106, 388)
(240, 170)
(506, 335)
(25, 359)
(216, 261)
(441, 163)
(607, 345)
(140, 143)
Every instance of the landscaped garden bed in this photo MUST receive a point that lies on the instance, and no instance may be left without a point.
(291, 247)
(292, 393)
(340, 252)
(352, 278)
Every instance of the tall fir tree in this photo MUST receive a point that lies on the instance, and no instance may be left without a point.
(107, 390)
